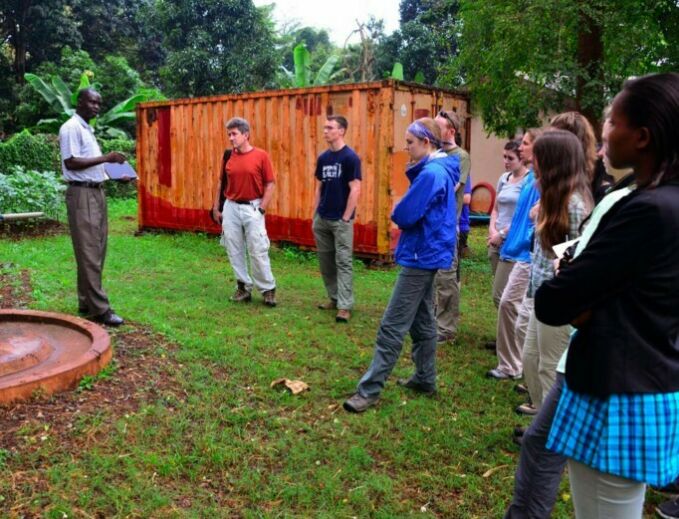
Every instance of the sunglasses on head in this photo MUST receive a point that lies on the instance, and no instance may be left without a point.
(447, 117)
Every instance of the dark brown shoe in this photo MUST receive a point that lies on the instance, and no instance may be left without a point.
(269, 297)
(343, 316)
(241, 295)
(329, 305)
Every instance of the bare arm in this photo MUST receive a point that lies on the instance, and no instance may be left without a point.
(78, 163)
(268, 194)
(352, 201)
(216, 210)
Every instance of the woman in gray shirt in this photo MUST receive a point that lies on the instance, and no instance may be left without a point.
(507, 193)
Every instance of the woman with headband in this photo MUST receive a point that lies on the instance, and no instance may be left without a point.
(426, 216)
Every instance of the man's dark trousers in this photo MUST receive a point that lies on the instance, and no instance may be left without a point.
(88, 222)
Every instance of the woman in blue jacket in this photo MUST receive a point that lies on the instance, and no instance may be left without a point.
(426, 216)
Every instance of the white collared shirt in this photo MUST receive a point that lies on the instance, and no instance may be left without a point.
(76, 139)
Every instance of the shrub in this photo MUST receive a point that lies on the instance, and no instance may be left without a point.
(33, 152)
(25, 191)
(129, 148)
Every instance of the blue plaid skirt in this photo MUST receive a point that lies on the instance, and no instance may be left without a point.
(632, 436)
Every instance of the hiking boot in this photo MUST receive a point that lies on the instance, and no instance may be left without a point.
(528, 409)
(416, 386)
(329, 305)
(521, 389)
(343, 316)
(357, 403)
(442, 339)
(269, 297)
(241, 295)
(668, 509)
(501, 375)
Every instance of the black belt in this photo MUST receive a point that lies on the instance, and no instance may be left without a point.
(241, 202)
(95, 185)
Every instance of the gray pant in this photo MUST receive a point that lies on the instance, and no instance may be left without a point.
(597, 495)
(447, 285)
(539, 472)
(88, 222)
(409, 310)
(334, 243)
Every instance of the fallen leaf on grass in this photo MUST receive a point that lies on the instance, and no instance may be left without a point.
(295, 386)
(492, 471)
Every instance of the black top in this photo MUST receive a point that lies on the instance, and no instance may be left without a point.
(628, 277)
(335, 169)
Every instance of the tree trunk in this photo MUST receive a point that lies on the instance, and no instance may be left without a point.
(589, 94)
(19, 38)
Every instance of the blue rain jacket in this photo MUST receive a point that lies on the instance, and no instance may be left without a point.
(427, 214)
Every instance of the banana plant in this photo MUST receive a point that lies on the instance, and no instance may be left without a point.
(301, 77)
(63, 101)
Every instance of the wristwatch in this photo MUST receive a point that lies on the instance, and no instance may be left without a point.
(502, 234)
(261, 210)
(346, 221)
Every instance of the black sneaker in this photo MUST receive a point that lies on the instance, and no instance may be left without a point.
(668, 509)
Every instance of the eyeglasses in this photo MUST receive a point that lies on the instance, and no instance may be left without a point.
(447, 117)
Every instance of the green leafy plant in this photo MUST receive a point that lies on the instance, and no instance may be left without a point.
(40, 152)
(302, 76)
(87, 382)
(62, 101)
(24, 191)
(397, 71)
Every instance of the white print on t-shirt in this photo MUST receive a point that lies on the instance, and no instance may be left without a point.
(332, 171)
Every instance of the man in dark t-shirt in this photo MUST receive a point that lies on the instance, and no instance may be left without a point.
(338, 186)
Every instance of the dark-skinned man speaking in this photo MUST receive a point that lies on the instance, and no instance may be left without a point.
(82, 164)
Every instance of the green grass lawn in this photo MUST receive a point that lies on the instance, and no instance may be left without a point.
(231, 446)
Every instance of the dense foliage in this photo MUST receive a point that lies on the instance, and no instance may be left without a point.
(24, 191)
(518, 67)
(515, 65)
(29, 151)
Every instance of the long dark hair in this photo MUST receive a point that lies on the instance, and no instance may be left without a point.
(560, 163)
(652, 102)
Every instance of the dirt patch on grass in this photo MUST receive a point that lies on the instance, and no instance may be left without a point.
(15, 287)
(141, 371)
(34, 229)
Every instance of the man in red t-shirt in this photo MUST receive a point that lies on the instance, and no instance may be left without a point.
(248, 191)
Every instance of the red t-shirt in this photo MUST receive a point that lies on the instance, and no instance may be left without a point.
(248, 174)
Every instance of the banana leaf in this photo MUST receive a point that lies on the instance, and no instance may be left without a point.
(302, 60)
(63, 93)
(397, 71)
(325, 73)
(84, 83)
(42, 88)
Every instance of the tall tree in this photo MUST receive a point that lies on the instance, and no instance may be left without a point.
(518, 67)
(36, 30)
(214, 46)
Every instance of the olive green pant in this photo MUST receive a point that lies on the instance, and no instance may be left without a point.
(334, 243)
